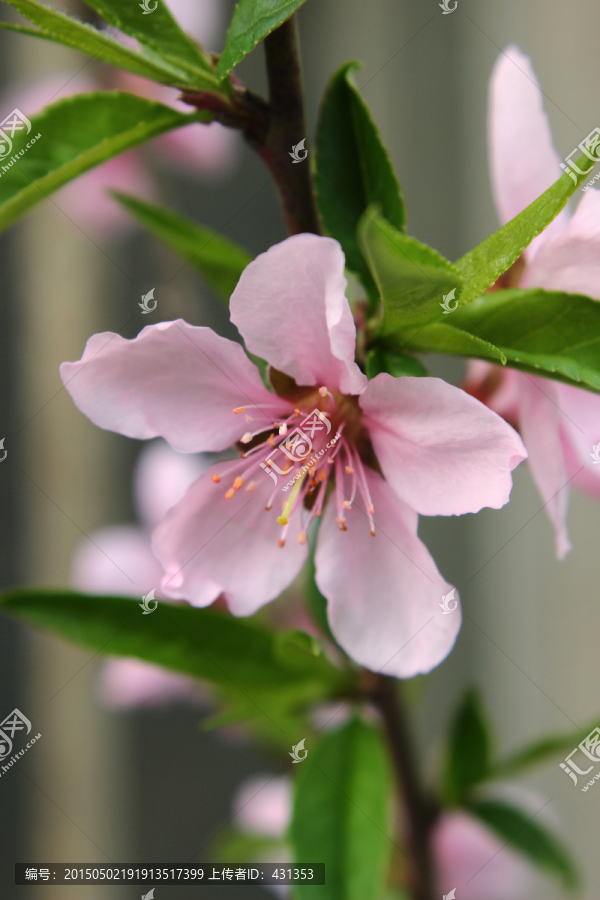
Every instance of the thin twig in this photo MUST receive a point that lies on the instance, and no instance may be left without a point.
(420, 810)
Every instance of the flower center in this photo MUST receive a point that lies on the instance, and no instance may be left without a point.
(314, 452)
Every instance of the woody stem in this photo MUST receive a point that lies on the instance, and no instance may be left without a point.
(420, 811)
(287, 127)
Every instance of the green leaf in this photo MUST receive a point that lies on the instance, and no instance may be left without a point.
(380, 359)
(440, 338)
(252, 21)
(541, 751)
(218, 260)
(523, 833)
(245, 660)
(411, 277)
(77, 134)
(341, 809)
(316, 602)
(62, 29)
(468, 752)
(160, 36)
(548, 332)
(353, 169)
(481, 267)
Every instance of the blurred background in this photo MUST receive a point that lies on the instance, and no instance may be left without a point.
(149, 784)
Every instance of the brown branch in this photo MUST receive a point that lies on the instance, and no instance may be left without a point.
(273, 128)
(420, 810)
(287, 128)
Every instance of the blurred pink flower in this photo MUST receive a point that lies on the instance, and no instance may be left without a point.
(205, 151)
(85, 200)
(262, 805)
(559, 423)
(473, 860)
(118, 560)
(467, 855)
(440, 451)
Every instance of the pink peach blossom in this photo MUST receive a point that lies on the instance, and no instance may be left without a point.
(263, 805)
(559, 423)
(440, 452)
(118, 560)
(470, 858)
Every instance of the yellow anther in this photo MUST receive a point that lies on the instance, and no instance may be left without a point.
(216, 478)
(238, 483)
(302, 537)
(349, 470)
(229, 494)
(246, 438)
(251, 487)
(239, 409)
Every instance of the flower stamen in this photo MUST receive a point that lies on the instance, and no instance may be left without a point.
(287, 509)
